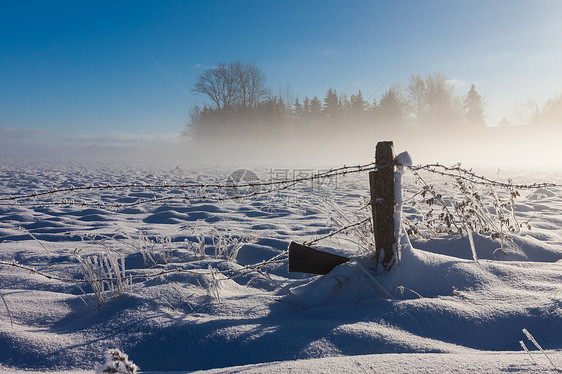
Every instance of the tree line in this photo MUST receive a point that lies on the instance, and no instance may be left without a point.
(240, 102)
(530, 113)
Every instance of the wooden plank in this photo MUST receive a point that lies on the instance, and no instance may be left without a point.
(382, 201)
(303, 259)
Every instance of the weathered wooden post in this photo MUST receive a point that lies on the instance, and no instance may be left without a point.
(382, 202)
(304, 259)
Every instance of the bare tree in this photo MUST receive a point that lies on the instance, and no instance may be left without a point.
(432, 101)
(254, 85)
(526, 112)
(416, 96)
(219, 84)
(233, 85)
(551, 113)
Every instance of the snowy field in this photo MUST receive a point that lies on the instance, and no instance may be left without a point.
(181, 293)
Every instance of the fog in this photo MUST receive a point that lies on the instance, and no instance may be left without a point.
(516, 146)
(491, 147)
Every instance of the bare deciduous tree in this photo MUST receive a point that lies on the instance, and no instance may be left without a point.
(256, 83)
(526, 112)
(551, 113)
(218, 83)
(233, 85)
(432, 101)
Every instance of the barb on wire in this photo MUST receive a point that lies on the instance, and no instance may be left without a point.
(316, 240)
(254, 267)
(276, 184)
(186, 198)
(448, 216)
(474, 210)
(249, 268)
(470, 176)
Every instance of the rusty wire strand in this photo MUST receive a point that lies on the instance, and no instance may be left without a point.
(343, 170)
(470, 176)
(316, 240)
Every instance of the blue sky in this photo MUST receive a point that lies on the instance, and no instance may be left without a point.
(87, 70)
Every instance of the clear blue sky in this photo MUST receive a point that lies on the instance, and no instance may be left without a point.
(86, 69)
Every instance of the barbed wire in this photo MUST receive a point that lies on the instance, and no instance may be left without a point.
(186, 198)
(455, 172)
(276, 186)
(333, 233)
(470, 176)
(343, 170)
(229, 274)
(435, 168)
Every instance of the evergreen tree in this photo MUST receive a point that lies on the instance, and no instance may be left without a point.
(472, 107)
(390, 110)
(358, 104)
(374, 109)
(298, 111)
(331, 105)
(282, 113)
(315, 110)
(306, 109)
(344, 105)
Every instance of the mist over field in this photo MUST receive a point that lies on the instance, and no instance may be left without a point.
(242, 121)
(492, 147)
(191, 186)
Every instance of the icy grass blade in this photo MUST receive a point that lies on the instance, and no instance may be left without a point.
(213, 284)
(386, 292)
(105, 270)
(527, 350)
(532, 339)
(183, 297)
(375, 281)
(267, 276)
(8, 309)
(472, 246)
(35, 238)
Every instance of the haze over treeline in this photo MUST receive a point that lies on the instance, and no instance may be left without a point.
(242, 108)
(241, 102)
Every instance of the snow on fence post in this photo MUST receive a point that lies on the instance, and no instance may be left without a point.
(381, 182)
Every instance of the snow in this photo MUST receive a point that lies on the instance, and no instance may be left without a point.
(404, 159)
(188, 311)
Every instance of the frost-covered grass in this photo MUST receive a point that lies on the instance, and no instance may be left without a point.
(174, 287)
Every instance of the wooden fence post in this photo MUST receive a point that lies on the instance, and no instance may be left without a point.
(381, 182)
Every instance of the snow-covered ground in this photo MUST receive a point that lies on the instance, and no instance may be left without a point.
(193, 302)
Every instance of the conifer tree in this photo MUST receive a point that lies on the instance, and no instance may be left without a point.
(315, 110)
(472, 107)
(390, 109)
(358, 104)
(298, 111)
(331, 105)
